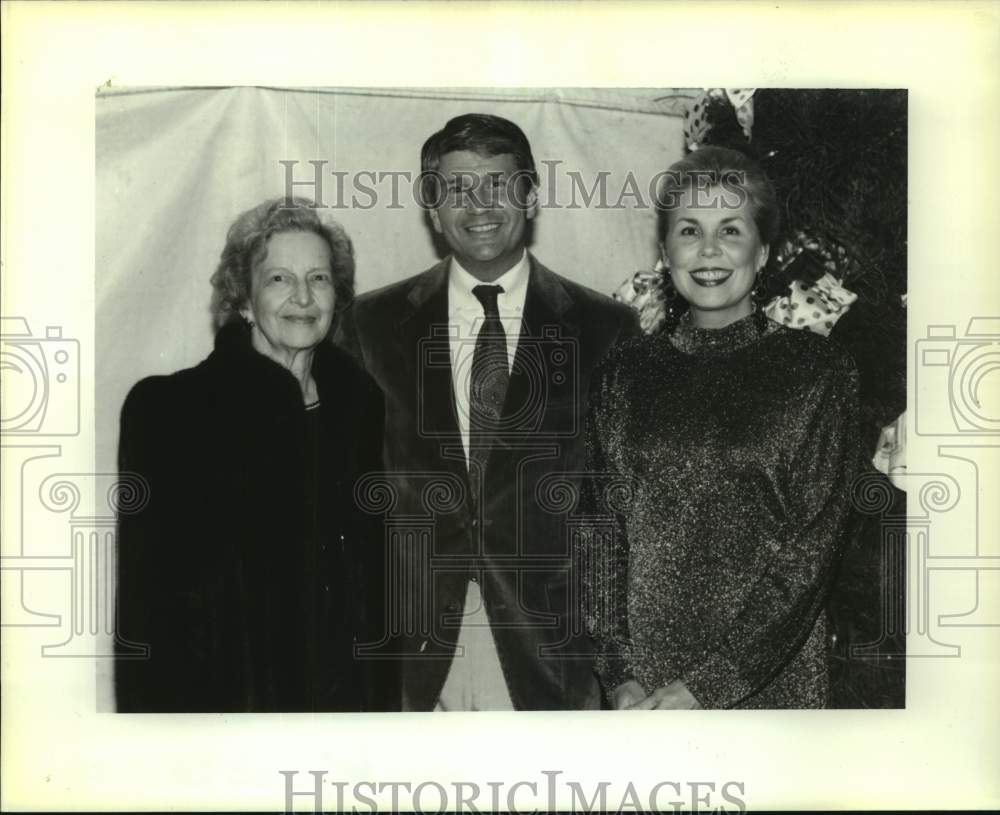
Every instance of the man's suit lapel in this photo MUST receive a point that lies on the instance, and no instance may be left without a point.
(548, 330)
(543, 369)
(424, 331)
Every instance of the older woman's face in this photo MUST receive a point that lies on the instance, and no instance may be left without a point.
(292, 295)
(714, 252)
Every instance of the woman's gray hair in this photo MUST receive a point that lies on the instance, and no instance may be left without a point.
(246, 246)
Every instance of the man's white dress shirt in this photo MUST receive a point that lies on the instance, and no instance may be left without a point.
(475, 680)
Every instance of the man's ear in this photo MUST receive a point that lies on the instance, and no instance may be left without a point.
(436, 220)
(531, 204)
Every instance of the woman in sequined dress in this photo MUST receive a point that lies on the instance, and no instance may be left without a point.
(725, 449)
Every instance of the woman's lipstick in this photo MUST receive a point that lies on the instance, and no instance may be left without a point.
(711, 276)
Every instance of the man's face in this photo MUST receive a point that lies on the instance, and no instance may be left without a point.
(484, 211)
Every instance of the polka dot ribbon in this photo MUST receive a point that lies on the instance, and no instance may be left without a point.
(815, 307)
(696, 124)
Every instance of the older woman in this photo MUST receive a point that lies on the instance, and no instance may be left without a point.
(245, 573)
(729, 445)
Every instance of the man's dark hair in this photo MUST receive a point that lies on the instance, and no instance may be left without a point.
(479, 133)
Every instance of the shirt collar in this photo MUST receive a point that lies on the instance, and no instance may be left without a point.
(514, 282)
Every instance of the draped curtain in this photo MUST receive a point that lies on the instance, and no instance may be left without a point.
(176, 166)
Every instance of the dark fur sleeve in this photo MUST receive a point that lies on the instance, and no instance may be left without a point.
(140, 548)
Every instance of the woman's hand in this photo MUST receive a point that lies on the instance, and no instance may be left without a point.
(627, 694)
(672, 697)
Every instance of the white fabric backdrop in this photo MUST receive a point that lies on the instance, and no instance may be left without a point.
(176, 166)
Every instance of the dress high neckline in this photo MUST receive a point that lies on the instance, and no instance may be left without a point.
(689, 339)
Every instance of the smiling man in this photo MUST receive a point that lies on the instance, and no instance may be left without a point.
(485, 361)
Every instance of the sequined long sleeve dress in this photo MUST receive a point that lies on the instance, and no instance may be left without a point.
(727, 457)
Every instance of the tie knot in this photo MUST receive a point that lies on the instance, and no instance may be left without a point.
(487, 295)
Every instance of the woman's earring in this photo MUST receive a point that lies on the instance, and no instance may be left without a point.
(671, 297)
(669, 291)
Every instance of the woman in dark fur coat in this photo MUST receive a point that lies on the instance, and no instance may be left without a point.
(251, 574)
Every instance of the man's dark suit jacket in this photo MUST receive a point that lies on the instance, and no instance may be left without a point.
(515, 538)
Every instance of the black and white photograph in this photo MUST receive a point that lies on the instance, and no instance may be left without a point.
(499, 487)
(416, 433)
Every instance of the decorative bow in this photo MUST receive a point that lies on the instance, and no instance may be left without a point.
(697, 124)
(643, 291)
(815, 307)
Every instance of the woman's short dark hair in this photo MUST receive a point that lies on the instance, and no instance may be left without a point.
(479, 133)
(710, 166)
(246, 246)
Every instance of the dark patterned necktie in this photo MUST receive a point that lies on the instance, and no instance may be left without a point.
(488, 384)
